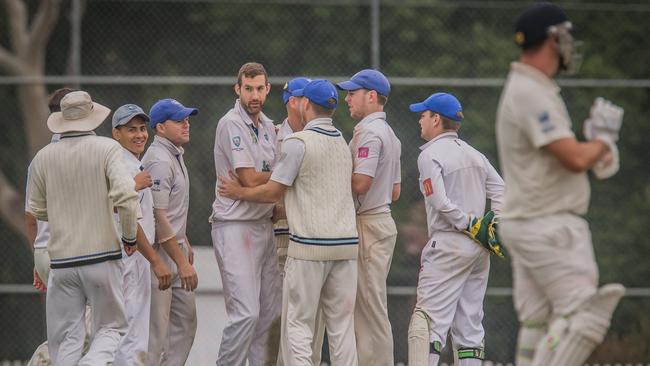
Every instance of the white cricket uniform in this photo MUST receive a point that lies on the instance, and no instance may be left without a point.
(321, 270)
(137, 281)
(242, 235)
(173, 311)
(455, 180)
(376, 153)
(281, 232)
(554, 270)
(84, 248)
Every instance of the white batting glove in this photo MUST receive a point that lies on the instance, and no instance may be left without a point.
(606, 118)
(609, 165)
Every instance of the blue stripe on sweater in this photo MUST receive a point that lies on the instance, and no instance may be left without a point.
(321, 241)
(334, 133)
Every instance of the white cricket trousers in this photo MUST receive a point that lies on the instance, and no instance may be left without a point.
(377, 235)
(137, 303)
(172, 324)
(69, 289)
(554, 268)
(333, 286)
(249, 270)
(282, 244)
(451, 287)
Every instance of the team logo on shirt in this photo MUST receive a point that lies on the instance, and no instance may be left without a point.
(156, 185)
(236, 140)
(428, 187)
(363, 152)
(266, 136)
(266, 167)
(545, 120)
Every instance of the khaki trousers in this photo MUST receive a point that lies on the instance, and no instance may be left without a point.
(172, 325)
(377, 235)
(308, 284)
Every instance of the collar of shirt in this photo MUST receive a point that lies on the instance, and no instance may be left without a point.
(76, 134)
(285, 127)
(439, 137)
(535, 74)
(130, 158)
(247, 119)
(369, 118)
(168, 145)
(319, 122)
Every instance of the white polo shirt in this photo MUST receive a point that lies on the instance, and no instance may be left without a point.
(171, 182)
(456, 180)
(282, 131)
(42, 228)
(376, 153)
(237, 144)
(145, 198)
(531, 115)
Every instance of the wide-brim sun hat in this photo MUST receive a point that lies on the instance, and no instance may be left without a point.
(78, 114)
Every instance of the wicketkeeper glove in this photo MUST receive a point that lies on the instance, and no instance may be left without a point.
(603, 124)
(483, 230)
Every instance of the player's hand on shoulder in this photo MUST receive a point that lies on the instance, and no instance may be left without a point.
(143, 180)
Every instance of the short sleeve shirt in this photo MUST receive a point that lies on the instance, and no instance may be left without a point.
(292, 154)
(376, 153)
(239, 144)
(171, 184)
(531, 115)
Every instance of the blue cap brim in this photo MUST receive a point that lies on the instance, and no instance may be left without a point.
(185, 112)
(418, 107)
(348, 85)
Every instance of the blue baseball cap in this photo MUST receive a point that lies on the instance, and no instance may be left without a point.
(126, 113)
(320, 92)
(165, 109)
(367, 79)
(293, 85)
(444, 104)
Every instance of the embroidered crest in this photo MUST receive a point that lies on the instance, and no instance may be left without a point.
(363, 152)
(266, 167)
(266, 136)
(428, 187)
(236, 140)
(156, 185)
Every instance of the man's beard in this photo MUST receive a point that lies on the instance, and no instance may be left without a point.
(254, 110)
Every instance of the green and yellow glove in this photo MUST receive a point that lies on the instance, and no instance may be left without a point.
(483, 230)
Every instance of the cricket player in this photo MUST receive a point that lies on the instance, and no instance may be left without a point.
(74, 185)
(563, 314)
(173, 311)
(242, 232)
(281, 227)
(455, 180)
(376, 182)
(314, 170)
(38, 234)
(130, 130)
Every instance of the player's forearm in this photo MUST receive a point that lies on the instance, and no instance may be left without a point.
(452, 213)
(260, 194)
(252, 178)
(145, 248)
(31, 228)
(175, 252)
(397, 190)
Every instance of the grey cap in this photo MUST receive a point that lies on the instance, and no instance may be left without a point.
(127, 112)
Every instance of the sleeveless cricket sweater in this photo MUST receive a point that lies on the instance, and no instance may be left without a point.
(319, 205)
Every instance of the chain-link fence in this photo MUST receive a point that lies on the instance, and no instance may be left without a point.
(140, 51)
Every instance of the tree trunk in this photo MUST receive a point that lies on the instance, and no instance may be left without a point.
(33, 103)
(12, 205)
